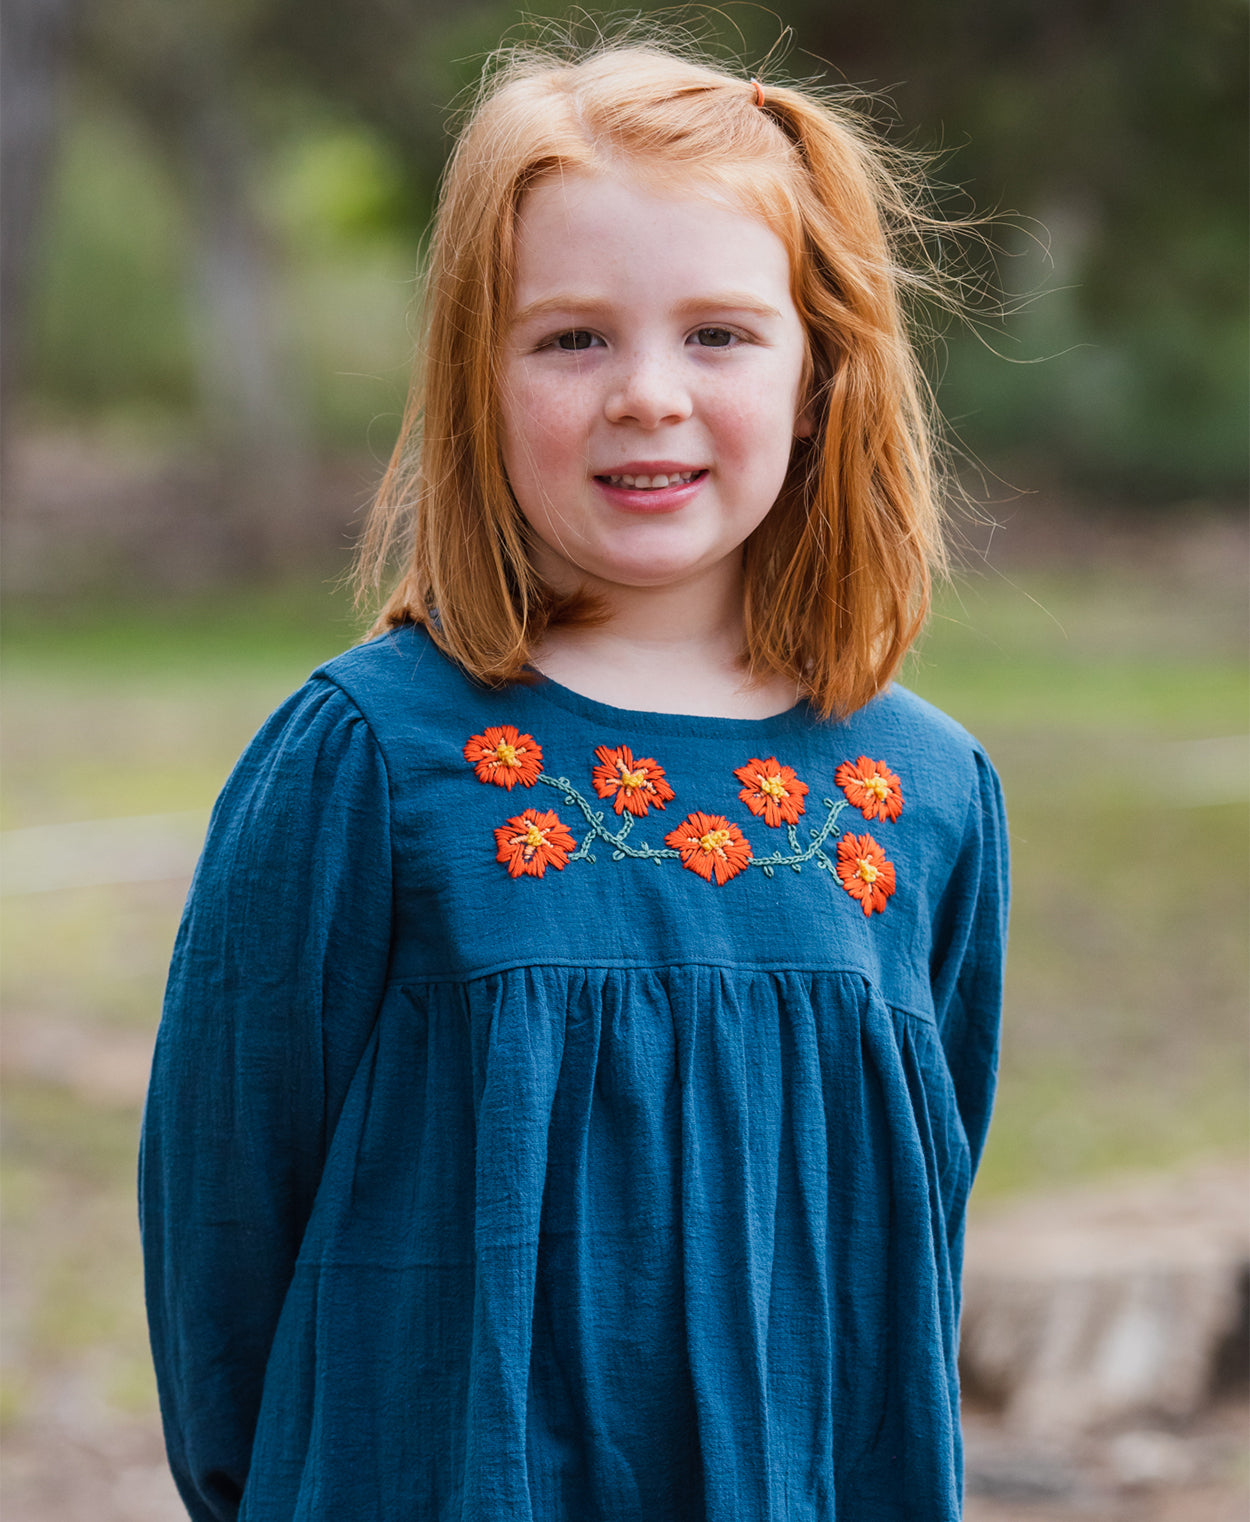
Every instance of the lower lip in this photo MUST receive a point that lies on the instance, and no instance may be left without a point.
(659, 499)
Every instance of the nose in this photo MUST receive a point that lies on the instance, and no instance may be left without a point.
(649, 390)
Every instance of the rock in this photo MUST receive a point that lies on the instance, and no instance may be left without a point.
(1105, 1305)
(1142, 1460)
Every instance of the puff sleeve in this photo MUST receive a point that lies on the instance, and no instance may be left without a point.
(969, 953)
(278, 971)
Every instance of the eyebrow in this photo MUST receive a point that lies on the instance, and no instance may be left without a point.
(714, 301)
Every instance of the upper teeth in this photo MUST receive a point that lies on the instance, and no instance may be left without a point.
(643, 483)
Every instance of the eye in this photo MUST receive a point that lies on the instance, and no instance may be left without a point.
(575, 340)
(715, 338)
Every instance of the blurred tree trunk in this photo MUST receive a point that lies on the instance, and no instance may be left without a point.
(182, 70)
(249, 396)
(33, 49)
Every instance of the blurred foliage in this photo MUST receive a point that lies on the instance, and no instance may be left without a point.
(110, 316)
(1110, 137)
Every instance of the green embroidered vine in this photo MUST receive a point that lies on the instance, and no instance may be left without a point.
(618, 839)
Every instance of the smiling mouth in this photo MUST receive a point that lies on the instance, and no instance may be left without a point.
(652, 483)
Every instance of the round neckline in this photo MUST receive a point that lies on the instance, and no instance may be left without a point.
(800, 715)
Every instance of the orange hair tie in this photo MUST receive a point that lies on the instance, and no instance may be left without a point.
(759, 91)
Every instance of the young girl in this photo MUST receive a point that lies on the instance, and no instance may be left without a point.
(582, 1030)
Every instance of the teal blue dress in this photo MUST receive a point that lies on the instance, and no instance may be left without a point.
(566, 1114)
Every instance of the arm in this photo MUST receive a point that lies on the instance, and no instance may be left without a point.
(277, 975)
(969, 950)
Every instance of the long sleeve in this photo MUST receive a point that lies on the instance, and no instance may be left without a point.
(278, 971)
(969, 954)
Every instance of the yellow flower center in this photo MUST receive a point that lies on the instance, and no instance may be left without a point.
(877, 784)
(866, 870)
(774, 787)
(534, 837)
(632, 779)
(505, 754)
(714, 840)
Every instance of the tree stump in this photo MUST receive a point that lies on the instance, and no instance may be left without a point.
(1099, 1307)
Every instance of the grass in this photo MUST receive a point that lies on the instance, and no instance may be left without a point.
(143, 709)
(1095, 690)
(1112, 654)
(1099, 694)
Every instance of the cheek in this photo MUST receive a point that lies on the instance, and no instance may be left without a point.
(544, 417)
(748, 420)
(766, 435)
(527, 445)
(763, 419)
(519, 411)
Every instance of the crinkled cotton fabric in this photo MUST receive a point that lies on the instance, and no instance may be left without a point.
(500, 1172)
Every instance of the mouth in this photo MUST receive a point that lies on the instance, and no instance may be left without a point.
(651, 483)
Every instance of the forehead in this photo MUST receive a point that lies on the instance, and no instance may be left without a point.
(616, 229)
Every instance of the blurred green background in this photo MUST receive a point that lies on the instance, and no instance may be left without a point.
(211, 227)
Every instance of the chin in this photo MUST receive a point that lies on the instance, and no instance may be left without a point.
(641, 568)
(647, 577)
(654, 566)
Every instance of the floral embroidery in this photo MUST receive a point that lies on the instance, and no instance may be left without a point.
(772, 791)
(531, 842)
(709, 845)
(871, 787)
(865, 873)
(633, 785)
(504, 756)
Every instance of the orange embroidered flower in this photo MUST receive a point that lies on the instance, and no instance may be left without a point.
(772, 790)
(503, 756)
(531, 842)
(709, 845)
(872, 787)
(633, 785)
(865, 873)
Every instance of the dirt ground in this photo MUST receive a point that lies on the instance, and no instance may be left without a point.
(1196, 1472)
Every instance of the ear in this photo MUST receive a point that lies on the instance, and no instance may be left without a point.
(805, 422)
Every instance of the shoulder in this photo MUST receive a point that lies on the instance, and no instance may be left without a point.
(330, 734)
(914, 722)
(945, 794)
(380, 661)
(314, 747)
(933, 747)
(397, 680)
(311, 787)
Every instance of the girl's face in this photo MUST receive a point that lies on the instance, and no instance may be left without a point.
(650, 383)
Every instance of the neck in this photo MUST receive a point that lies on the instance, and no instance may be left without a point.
(664, 650)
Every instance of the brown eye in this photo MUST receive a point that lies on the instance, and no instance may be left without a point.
(579, 338)
(714, 338)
